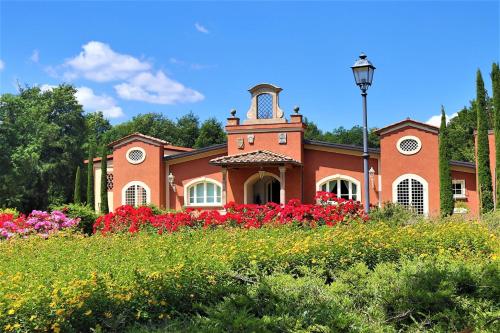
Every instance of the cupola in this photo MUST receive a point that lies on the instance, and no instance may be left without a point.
(264, 106)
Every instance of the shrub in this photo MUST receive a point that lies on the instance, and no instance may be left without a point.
(394, 214)
(86, 214)
(329, 211)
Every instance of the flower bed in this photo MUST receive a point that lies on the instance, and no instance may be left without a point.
(37, 222)
(329, 211)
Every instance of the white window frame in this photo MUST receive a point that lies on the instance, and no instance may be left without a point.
(416, 177)
(459, 196)
(132, 161)
(136, 182)
(197, 181)
(327, 179)
(411, 137)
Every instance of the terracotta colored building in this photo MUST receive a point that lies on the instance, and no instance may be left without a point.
(266, 158)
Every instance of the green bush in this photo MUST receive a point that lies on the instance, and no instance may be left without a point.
(76, 283)
(394, 214)
(12, 211)
(84, 212)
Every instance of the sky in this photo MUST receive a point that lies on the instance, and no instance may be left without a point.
(127, 58)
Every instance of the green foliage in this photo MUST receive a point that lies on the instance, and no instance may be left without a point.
(90, 176)
(445, 183)
(353, 136)
(104, 180)
(395, 214)
(41, 134)
(211, 133)
(495, 79)
(86, 214)
(483, 151)
(188, 130)
(77, 195)
(364, 277)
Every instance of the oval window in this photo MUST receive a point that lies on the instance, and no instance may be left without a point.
(136, 155)
(409, 145)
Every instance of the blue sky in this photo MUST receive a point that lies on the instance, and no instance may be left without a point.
(135, 57)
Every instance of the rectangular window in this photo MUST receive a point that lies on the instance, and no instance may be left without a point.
(191, 194)
(354, 191)
(200, 192)
(458, 187)
(210, 193)
(344, 189)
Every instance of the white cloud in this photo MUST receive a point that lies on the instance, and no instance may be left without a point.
(201, 28)
(436, 120)
(35, 56)
(157, 89)
(2, 65)
(92, 102)
(98, 62)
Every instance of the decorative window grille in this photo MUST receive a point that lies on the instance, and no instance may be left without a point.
(410, 193)
(109, 181)
(136, 195)
(342, 188)
(204, 193)
(409, 145)
(458, 187)
(136, 155)
(264, 106)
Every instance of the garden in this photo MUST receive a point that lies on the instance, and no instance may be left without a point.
(326, 267)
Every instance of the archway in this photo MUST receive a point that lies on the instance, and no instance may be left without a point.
(261, 190)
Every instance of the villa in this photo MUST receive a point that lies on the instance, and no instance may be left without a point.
(266, 158)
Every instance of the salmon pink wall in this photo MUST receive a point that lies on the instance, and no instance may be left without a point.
(471, 199)
(320, 164)
(186, 171)
(151, 171)
(425, 163)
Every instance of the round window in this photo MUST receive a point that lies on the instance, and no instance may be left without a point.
(409, 145)
(136, 155)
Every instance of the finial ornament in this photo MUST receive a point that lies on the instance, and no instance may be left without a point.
(362, 55)
(233, 112)
(296, 109)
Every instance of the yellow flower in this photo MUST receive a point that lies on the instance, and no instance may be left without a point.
(59, 312)
(88, 313)
(11, 311)
(56, 328)
(108, 314)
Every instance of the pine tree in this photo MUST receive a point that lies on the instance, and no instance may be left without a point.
(483, 149)
(90, 178)
(495, 79)
(77, 194)
(445, 188)
(104, 181)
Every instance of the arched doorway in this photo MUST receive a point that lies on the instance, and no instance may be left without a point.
(261, 190)
(411, 191)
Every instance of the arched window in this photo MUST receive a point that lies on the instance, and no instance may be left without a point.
(344, 187)
(203, 192)
(136, 194)
(411, 191)
(264, 106)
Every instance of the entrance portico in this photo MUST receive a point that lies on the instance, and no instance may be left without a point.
(262, 186)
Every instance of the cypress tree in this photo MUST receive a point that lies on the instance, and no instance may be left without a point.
(77, 195)
(483, 149)
(495, 79)
(90, 178)
(445, 188)
(104, 181)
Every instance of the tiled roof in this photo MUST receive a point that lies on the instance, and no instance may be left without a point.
(407, 121)
(254, 157)
(139, 135)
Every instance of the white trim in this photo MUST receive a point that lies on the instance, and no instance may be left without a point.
(463, 195)
(195, 181)
(137, 182)
(132, 161)
(416, 177)
(379, 169)
(250, 181)
(411, 137)
(341, 177)
(409, 124)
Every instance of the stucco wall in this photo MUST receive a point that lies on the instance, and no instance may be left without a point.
(471, 200)
(425, 163)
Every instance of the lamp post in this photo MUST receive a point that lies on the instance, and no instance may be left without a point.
(363, 75)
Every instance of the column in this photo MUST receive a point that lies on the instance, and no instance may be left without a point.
(224, 186)
(282, 184)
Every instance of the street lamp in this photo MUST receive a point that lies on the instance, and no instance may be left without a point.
(363, 75)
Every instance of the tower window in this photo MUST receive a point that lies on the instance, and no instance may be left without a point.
(264, 106)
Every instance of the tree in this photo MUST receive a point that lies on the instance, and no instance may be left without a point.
(187, 130)
(211, 133)
(445, 187)
(104, 180)
(312, 131)
(77, 195)
(90, 176)
(483, 150)
(495, 79)
(96, 127)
